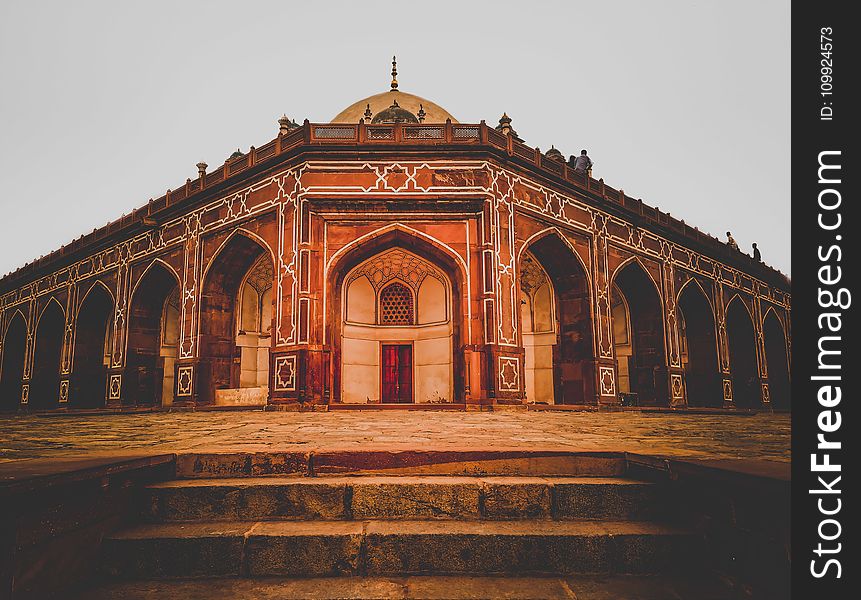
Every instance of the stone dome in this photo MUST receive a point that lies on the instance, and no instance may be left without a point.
(378, 103)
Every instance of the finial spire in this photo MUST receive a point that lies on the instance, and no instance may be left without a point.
(394, 73)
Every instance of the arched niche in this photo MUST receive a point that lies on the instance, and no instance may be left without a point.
(556, 322)
(742, 355)
(777, 360)
(699, 347)
(48, 344)
(645, 363)
(234, 361)
(255, 325)
(12, 367)
(92, 349)
(153, 338)
(397, 343)
(539, 329)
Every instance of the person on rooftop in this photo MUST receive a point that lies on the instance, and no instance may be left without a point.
(582, 163)
(730, 241)
(757, 255)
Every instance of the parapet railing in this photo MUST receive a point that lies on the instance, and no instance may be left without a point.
(311, 134)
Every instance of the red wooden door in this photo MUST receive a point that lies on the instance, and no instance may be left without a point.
(397, 373)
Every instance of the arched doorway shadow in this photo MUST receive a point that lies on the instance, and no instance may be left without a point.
(92, 352)
(777, 361)
(644, 362)
(152, 338)
(12, 368)
(227, 361)
(699, 348)
(45, 378)
(557, 327)
(742, 355)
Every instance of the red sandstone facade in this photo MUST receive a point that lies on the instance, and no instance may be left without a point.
(543, 277)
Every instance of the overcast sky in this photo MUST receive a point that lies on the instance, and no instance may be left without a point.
(106, 104)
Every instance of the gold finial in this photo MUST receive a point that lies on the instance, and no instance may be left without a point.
(394, 73)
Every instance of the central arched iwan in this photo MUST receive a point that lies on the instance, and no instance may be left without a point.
(395, 322)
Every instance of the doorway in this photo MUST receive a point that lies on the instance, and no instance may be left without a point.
(397, 373)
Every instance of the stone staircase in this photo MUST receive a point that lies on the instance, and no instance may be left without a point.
(514, 519)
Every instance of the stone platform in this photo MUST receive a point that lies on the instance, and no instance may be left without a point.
(760, 437)
(580, 587)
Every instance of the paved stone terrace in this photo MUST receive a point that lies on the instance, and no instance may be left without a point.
(711, 436)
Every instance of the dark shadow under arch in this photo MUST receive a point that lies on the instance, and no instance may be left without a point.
(777, 361)
(218, 351)
(573, 353)
(702, 371)
(48, 345)
(89, 371)
(647, 366)
(742, 355)
(144, 374)
(12, 369)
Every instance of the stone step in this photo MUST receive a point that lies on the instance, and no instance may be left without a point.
(401, 497)
(400, 462)
(579, 587)
(326, 548)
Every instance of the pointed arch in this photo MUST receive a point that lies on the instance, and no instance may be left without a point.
(15, 312)
(554, 231)
(439, 256)
(697, 324)
(560, 365)
(47, 346)
(156, 262)
(149, 362)
(694, 282)
(386, 233)
(645, 361)
(97, 285)
(773, 311)
(238, 232)
(12, 364)
(777, 360)
(741, 337)
(636, 259)
(45, 308)
(228, 362)
(90, 355)
(737, 297)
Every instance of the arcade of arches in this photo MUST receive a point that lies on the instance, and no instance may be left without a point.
(396, 257)
(399, 337)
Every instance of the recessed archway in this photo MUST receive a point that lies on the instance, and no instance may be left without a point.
(776, 359)
(152, 338)
(45, 377)
(557, 323)
(699, 347)
(92, 352)
(230, 358)
(420, 245)
(12, 368)
(645, 363)
(742, 355)
(397, 334)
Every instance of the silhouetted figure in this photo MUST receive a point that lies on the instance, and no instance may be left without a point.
(582, 163)
(757, 256)
(731, 241)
